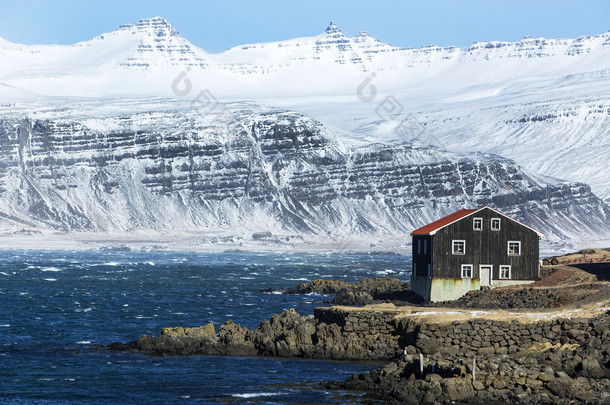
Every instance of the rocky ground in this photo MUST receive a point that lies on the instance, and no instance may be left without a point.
(546, 372)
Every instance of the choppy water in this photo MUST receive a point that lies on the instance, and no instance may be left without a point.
(57, 307)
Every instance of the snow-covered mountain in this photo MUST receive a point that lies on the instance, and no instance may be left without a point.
(266, 168)
(327, 64)
(86, 143)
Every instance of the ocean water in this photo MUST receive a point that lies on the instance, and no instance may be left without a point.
(57, 310)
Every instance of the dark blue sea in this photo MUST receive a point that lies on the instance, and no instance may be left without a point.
(58, 309)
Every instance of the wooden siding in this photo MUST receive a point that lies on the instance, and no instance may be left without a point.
(485, 247)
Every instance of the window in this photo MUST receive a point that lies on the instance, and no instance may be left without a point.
(477, 224)
(429, 270)
(514, 248)
(459, 247)
(466, 270)
(415, 269)
(425, 247)
(495, 224)
(418, 246)
(505, 272)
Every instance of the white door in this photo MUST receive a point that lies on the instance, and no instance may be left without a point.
(485, 274)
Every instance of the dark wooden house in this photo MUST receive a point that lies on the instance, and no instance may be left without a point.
(473, 248)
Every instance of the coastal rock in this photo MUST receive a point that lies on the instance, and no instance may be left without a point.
(348, 297)
(234, 340)
(363, 292)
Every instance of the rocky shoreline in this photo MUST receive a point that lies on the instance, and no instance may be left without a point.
(544, 357)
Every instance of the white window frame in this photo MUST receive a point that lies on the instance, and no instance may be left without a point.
(504, 266)
(419, 246)
(453, 247)
(518, 242)
(499, 224)
(425, 246)
(471, 270)
(474, 221)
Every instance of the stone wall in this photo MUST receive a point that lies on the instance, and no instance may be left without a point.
(480, 336)
(358, 323)
(476, 336)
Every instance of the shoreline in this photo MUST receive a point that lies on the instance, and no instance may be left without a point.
(225, 242)
(562, 352)
(548, 355)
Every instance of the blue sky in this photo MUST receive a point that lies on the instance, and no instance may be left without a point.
(218, 25)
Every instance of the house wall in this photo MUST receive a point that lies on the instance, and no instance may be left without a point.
(486, 247)
(421, 286)
(421, 259)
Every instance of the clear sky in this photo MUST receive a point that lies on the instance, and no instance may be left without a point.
(217, 25)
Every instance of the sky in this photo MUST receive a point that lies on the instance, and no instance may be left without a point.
(218, 25)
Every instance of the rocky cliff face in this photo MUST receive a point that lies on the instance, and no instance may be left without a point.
(261, 168)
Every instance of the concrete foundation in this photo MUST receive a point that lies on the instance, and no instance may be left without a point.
(448, 289)
(443, 289)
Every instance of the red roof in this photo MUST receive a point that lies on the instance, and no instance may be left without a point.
(433, 226)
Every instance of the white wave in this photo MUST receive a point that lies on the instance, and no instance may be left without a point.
(49, 279)
(114, 264)
(83, 342)
(258, 394)
(296, 279)
(53, 269)
(3, 273)
(247, 278)
(5, 326)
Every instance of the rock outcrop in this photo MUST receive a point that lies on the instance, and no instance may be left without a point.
(285, 335)
(363, 292)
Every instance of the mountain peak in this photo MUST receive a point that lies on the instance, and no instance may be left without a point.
(157, 25)
(333, 29)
